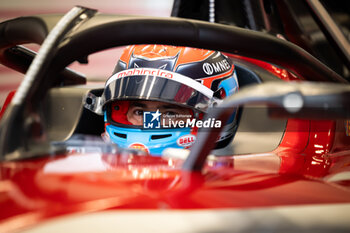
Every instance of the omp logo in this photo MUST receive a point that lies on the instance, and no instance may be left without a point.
(210, 68)
(151, 120)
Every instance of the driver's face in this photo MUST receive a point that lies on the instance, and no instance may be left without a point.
(174, 112)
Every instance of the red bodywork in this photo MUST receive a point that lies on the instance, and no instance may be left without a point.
(302, 170)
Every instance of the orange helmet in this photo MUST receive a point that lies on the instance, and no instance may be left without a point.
(206, 66)
(187, 77)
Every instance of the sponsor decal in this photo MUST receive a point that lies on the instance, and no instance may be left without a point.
(162, 74)
(208, 69)
(145, 71)
(347, 127)
(139, 146)
(186, 140)
(217, 67)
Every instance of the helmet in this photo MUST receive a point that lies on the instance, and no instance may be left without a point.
(148, 80)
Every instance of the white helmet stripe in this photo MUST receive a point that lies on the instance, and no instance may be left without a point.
(163, 74)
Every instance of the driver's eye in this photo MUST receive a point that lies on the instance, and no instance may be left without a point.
(138, 112)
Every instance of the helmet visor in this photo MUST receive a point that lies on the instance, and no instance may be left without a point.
(157, 85)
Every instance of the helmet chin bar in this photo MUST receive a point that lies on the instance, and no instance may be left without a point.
(149, 140)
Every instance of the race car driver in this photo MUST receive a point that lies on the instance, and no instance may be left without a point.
(158, 94)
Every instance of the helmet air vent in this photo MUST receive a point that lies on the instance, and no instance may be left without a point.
(121, 135)
(155, 137)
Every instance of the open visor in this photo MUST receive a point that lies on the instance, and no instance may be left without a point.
(157, 85)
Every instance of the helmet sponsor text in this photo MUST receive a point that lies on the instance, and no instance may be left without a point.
(159, 73)
(145, 71)
(210, 68)
(186, 140)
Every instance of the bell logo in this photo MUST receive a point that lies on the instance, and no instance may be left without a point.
(186, 140)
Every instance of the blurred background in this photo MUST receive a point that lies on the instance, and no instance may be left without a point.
(14, 8)
(302, 29)
(101, 64)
